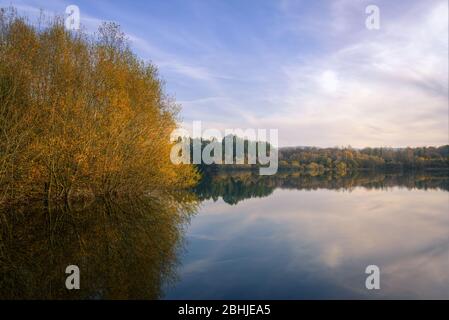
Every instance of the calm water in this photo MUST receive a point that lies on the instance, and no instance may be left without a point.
(312, 238)
(239, 236)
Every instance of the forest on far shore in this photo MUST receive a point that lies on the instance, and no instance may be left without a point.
(341, 159)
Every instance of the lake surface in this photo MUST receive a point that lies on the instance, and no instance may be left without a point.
(239, 236)
(312, 238)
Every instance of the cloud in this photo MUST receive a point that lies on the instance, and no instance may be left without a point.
(169, 61)
(316, 73)
(364, 88)
(386, 89)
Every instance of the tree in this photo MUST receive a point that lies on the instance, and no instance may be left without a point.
(81, 116)
(341, 168)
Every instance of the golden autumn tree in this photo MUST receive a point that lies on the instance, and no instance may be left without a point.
(81, 115)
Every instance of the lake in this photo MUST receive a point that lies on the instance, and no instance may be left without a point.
(313, 237)
(239, 236)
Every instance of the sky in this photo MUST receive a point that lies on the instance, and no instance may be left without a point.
(311, 69)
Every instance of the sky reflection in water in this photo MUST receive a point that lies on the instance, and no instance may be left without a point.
(314, 244)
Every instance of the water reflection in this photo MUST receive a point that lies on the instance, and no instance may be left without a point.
(275, 237)
(124, 250)
(236, 186)
(312, 238)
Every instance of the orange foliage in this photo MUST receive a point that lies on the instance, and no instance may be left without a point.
(81, 115)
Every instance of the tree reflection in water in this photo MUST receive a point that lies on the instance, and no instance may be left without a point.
(129, 249)
(236, 186)
(125, 250)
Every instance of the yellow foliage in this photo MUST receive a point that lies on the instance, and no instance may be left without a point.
(81, 115)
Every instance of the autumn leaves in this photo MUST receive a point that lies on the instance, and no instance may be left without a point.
(81, 116)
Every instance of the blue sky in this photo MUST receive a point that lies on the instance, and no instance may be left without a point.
(310, 69)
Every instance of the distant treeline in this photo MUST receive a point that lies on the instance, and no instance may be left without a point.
(316, 161)
(343, 159)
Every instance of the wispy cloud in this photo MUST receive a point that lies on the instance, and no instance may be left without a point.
(310, 69)
(382, 89)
